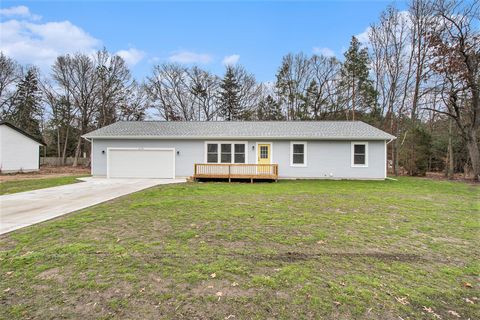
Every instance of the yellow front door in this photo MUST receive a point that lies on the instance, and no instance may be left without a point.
(264, 154)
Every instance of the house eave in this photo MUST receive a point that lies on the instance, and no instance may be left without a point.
(239, 138)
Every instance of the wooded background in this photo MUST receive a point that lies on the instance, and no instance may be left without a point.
(417, 77)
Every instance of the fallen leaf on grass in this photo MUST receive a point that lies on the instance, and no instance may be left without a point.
(453, 313)
(430, 310)
(467, 285)
(403, 300)
(213, 275)
(8, 289)
(219, 294)
(9, 273)
(336, 303)
(234, 284)
(469, 301)
(230, 317)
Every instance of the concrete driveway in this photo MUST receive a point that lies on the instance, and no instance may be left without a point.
(23, 209)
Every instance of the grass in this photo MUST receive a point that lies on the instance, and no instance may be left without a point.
(14, 186)
(292, 249)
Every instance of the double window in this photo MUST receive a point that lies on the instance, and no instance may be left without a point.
(359, 154)
(226, 152)
(298, 154)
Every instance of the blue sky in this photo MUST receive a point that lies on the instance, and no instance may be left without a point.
(209, 34)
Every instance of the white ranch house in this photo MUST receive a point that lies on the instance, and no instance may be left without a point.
(261, 149)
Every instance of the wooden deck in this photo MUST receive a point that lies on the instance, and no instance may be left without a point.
(236, 171)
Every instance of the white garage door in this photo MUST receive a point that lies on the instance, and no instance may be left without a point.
(141, 163)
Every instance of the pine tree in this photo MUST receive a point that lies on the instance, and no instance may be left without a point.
(27, 104)
(230, 108)
(269, 110)
(355, 79)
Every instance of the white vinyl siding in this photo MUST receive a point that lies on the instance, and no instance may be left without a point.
(17, 151)
(325, 159)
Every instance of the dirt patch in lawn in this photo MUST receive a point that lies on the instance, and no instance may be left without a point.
(221, 289)
(52, 274)
(46, 172)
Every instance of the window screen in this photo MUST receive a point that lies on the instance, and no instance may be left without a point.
(226, 153)
(298, 155)
(359, 154)
(212, 153)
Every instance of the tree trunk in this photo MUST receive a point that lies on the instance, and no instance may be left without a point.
(450, 152)
(395, 157)
(77, 152)
(353, 99)
(58, 142)
(474, 153)
(64, 154)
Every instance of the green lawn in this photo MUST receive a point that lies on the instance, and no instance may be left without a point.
(15, 186)
(286, 250)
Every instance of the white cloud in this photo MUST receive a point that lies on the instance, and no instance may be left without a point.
(190, 57)
(327, 52)
(363, 37)
(33, 42)
(131, 56)
(19, 11)
(41, 43)
(231, 59)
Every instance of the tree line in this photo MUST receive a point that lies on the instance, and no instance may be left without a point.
(417, 77)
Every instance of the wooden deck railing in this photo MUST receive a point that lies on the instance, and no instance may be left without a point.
(236, 171)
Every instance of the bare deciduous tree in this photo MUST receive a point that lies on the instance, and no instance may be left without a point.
(204, 87)
(169, 90)
(455, 50)
(77, 75)
(10, 74)
(114, 80)
(293, 79)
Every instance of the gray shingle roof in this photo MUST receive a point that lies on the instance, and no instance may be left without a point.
(321, 130)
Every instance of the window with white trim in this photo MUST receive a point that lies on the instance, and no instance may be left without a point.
(226, 156)
(226, 152)
(239, 152)
(359, 154)
(298, 154)
(212, 153)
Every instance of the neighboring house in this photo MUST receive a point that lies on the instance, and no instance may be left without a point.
(299, 149)
(19, 151)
